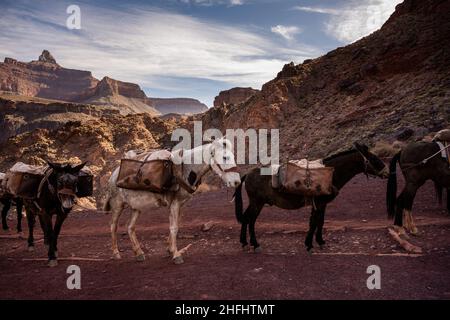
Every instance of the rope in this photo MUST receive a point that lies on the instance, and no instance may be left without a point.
(424, 161)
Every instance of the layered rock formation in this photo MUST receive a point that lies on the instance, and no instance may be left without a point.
(178, 105)
(234, 96)
(19, 114)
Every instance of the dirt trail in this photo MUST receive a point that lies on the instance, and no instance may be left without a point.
(216, 268)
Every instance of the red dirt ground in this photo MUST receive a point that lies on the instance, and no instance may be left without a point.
(216, 268)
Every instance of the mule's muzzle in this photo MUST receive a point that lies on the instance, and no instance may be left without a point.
(67, 197)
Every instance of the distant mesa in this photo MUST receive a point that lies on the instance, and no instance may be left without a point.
(178, 105)
(44, 78)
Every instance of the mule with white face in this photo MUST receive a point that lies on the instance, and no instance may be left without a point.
(216, 156)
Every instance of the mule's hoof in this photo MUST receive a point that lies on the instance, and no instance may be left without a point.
(322, 246)
(140, 257)
(30, 248)
(117, 256)
(52, 263)
(414, 231)
(56, 254)
(178, 260)
(257, 250)
(245, 248)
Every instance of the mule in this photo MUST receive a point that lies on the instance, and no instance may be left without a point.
(259, 189)
(217, 156)
(419, 162)
(56, 197)
(7, 202)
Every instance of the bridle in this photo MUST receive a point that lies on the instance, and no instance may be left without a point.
(217, 168)
(52, 189)
(367, 165)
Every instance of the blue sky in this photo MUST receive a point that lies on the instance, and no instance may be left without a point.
(186, 48)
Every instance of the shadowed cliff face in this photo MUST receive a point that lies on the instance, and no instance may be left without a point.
(234, 96)
(395, 80)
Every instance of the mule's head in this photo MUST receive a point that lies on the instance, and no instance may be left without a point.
(373, 164)
(223, 163)
(66, 178)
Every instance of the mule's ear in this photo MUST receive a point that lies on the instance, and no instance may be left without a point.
(360, 147)
(54, 166)
(77, 168)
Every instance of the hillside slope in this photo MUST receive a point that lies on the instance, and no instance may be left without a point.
(392, 84)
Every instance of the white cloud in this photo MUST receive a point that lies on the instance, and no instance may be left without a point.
(286, 32)
(236, 2)
(317, 10)
(142, 45)
(356, 19)
(214, 2)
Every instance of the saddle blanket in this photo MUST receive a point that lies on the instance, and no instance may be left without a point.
(303, 163)
(154, 154)
(21, 167)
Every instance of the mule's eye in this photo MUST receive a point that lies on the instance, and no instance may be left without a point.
(225, 145)
(226, 159)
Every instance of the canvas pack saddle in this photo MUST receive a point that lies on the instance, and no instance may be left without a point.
(25, 181)
(442, 138)
(307, 178)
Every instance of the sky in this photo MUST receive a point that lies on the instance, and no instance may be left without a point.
(186, 48)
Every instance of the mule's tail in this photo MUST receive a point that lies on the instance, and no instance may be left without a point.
(391, 192)
(438, 190)
(448, 200)
(238, 205)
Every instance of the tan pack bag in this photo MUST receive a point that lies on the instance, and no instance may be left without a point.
(23, 180)
(153, 173)
(309, 181)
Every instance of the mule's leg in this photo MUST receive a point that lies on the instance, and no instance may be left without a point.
(6, 206)
(409, 195)
(244, 225)
(47, 222)
(320, 223)
(114, 223)
(19, 208)
(132, 233)
(57, 229)
(254, 213)
(31, 219)
(312, 229)
(398, 219)
(448, 200)
(174, 219)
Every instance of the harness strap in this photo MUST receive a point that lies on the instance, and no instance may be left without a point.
(424, 161)
(178, 173)
(48, 172)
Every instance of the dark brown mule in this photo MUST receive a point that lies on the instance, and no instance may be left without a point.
(419, 162)
(346, 165)
(56, 197)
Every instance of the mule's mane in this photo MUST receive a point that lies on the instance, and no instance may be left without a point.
(339, 154)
